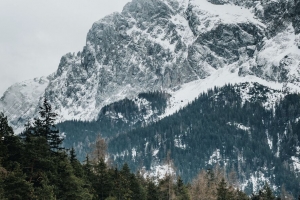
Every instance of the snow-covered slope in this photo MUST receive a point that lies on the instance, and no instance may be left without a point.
(186, 93)
(181, 46)
(253, 129)
(20, 101)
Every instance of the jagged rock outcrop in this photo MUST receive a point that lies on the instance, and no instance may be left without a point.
(162, 44)
(20, 100)
(183, 47)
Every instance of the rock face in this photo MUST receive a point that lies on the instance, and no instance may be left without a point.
(20, 100)
(184, 48)
(126, 54)
(162, 44)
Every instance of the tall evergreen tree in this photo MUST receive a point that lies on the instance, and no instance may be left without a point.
(181, 191)
(222, 191)
(16, 187)
(5, 129)
(152, 190)
(102, 182)
(50, 132)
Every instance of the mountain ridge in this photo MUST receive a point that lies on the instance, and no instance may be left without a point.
(171, 53)
(162, 44)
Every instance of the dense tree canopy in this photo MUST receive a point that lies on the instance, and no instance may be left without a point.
(34, 165)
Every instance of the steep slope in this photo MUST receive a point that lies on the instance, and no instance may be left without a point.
(182, 48)
(228, 126)
(162, 44)
(114, 119)
(19, 102)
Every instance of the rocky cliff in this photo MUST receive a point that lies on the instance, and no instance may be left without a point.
(164, 44)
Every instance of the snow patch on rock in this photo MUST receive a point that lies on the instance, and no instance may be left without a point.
(211, 15)
(239, 126)
(20, 101)
(178, 142)
(296, 163)
(215, 157)
(269, 140)
(160, 171)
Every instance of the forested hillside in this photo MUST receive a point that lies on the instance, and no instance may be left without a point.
(114, 119)
(247, 128)
(221, 127)
(34, 165)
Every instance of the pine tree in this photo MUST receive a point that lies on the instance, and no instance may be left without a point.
(49, 131)
(68, 186)
(72, 155)
(45, 191)
(102, 182)
(5, 132)
(3, 173)
(180, 190)
(264, 194)
(239, 195)
(76, 165)
(125, 182)
(89, 176)
(152, 190)
(37, 155)
(138, 191)
(267, 193)
(5, 129)
(222, 191)
(16, 187)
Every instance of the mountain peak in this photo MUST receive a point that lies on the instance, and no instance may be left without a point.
(163, 44)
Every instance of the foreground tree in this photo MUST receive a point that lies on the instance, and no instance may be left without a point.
(47, 165)
(5, 129)
(223, 192)
(16, 187)
(49, 130)
(264, 194)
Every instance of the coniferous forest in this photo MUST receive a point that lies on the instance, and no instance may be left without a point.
(255, 142)
(35, 165)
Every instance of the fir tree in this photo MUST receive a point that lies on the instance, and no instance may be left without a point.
(180, 190)
(50, 132)
(152, 190)
(102, 182)
(16, 187)
(5, 129)
(222, 191)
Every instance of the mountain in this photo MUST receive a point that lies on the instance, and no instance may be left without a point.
(20, 101)
(156, 57)
(162, 44)
(229, 126)
(247, 128)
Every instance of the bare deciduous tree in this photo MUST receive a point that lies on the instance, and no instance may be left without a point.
(99, 149)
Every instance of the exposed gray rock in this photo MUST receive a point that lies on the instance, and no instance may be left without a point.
(219, 2)
(227, 41)
(296, 16)
(162, 44)
(19, 102)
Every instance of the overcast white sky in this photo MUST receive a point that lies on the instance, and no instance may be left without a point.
(34, 34)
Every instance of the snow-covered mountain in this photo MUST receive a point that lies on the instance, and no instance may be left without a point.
(20, 101)
(170, 45)
(183, 48)
(229, 126)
